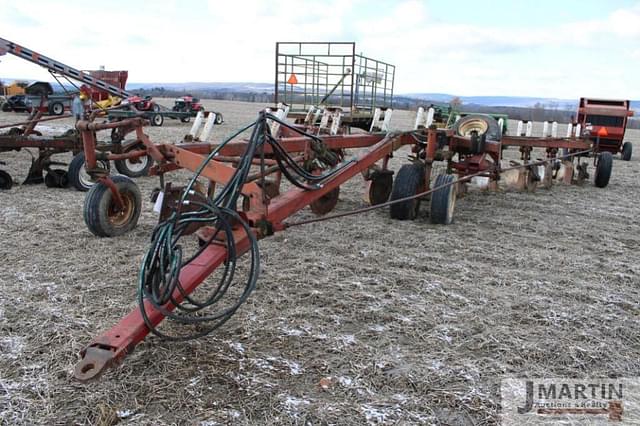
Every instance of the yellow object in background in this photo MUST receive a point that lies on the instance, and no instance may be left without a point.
(13, 89)
(108, 103)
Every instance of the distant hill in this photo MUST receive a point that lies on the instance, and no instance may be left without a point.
(504, 101)
(507, 101)
(195, 86)
(402, 99)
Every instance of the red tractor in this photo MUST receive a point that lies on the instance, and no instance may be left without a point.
(187, 104)
(606, 119)
(142, 104)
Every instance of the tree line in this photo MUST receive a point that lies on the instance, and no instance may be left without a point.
(539, 112)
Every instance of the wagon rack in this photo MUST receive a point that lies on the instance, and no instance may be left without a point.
(27, 136)
(242, 203)
(331, 75)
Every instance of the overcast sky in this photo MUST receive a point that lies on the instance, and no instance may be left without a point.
(560, 48)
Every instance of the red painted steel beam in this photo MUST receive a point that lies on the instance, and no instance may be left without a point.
(546, 142)
(461, 144)
(117, 342)
(294, 144)
(18, 142)
(112, 346)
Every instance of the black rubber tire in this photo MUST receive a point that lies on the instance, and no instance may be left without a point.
(6, 107)
(99, 201)
(157, 120)
(63, 178)
(493, 131)
(6, 182)
(219, 118)
(155, 108)
(443, 201)
(409, 181)
(76, 168)
(56, 108)
(185, 119)
(603, 169)
(56, 179)
(627, 150)
(123, 167)
(380, 187)
(50, 180)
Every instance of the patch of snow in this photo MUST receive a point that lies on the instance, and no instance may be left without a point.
(294, 367)
(400, 398)
(123, 414)
(377, 415)
(293, 403)
(345, 381)
(262, 363)
(436, 365)
(11, 347)
(292, 331)
(347, 339)
(237, 346)
(405, 319)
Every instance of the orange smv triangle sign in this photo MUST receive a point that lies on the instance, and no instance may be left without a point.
(292, 79)
(603, 131)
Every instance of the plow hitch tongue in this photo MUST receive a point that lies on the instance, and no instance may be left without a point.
(95, 360)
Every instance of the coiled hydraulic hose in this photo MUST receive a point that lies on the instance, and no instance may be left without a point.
(159, 273)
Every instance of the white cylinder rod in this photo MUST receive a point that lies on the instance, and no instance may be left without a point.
(376, 118)
(196, 124)
(430, 113)
(208, 127)
(307, 119)
(569, 130)
(335, 122)
(529, 128)
(520, 126)
(419, 118)
(545, 129)
(554, 129)
(386, 123)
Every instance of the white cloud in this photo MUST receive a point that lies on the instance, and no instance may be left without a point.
(173, 41)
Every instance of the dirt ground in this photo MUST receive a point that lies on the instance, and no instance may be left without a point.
(406, 322)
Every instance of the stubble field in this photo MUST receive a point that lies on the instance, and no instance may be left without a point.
(403, 322)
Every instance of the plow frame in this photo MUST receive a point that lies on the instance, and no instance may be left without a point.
(267, 210)
(27, 136)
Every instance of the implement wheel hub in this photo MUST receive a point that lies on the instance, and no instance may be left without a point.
(120, 216)
(479, 126)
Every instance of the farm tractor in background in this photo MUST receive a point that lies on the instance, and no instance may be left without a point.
(187, 104)
(190, 106)
(145, 104)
